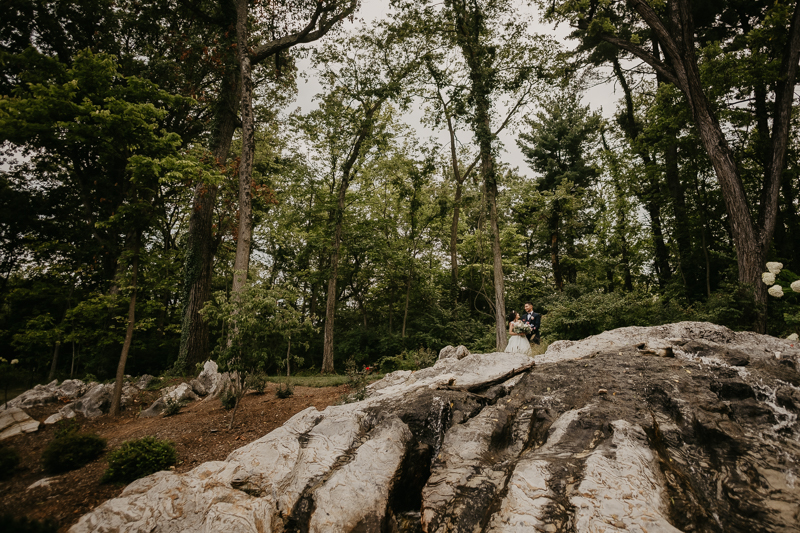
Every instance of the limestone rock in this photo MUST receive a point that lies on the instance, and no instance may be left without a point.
(180, 393)
(38, 395)
(144, 381)
(705, 440)
(62, 414)
(155, 409)
(14, 421)
(95, 402)
(210, 383)
(454, 352)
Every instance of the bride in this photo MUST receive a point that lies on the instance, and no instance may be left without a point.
(518, 342)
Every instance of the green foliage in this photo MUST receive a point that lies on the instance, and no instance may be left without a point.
(258, 321)
(12, 524)
(257, 382)
(9, 460)
(285, 389)
(65, 427)
(139, 458)
(156, 383)
(70, 450)
(9, 375)
(228, 398)
(173, 407)
(356, 381)
(579, 316)
(408, 360)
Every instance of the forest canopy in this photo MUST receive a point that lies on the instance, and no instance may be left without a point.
(165, 198)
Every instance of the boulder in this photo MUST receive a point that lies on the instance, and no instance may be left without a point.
(155, 409)
(210, 383)
(606, 434)
(62, 414)
(454, 352)
(38, 395)
(144, 381)
(94, 403)
(14, 421)
(176, 393)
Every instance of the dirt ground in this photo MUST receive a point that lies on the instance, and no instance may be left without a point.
(200, 433)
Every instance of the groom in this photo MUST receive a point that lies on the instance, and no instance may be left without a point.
(534, 320)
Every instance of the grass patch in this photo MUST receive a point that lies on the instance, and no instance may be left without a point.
(322, 380)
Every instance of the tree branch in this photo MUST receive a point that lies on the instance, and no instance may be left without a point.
(307, 34)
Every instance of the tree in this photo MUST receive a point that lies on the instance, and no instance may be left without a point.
(361, 77)
(502, 61)
(559, 146)
(672, 28)
(101, 130)
(280, 26)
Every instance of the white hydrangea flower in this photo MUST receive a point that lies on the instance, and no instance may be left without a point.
(776, 291)
(796, 286)
(775, 268)
(768, 278)
(14, 361)
(792, 337)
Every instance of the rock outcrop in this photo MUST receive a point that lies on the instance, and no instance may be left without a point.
(14, 421)
(457, 352)
(685, 427)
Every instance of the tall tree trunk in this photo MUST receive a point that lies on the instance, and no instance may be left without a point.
(663, 271)
(123, 358)
(330, 307)
(454, 239)
(347, 169)
(752, 241)
(200, 245)
(497, 263)
(241, 262)
(682, 225)
(554, 255)
(650, 195)
(408, 298)
(55, 360)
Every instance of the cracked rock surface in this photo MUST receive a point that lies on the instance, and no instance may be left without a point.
(683, 427)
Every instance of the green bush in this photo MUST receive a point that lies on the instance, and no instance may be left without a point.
(172, 406)
(228, 398)
(284, 391)
(139, 458)
(9, 460)
(257, 382)
(70, 450)
(408, 360)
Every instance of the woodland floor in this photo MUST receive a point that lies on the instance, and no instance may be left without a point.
(200, 433)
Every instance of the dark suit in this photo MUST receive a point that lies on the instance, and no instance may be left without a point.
(534, 319)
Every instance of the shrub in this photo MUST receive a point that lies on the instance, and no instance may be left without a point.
(139, 458)
(9, 460)
(228, 398)
(70, 450)
(356, 382)
(65, 427)
(408, 360)
(172, 406)
(257, 382)
(284, 392)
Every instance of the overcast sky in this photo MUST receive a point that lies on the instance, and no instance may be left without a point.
(601, 97)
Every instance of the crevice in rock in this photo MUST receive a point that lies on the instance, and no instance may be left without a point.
(299, 519)
(405, 497)
(687, 503)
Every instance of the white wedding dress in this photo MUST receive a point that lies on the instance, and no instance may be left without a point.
(518, 344)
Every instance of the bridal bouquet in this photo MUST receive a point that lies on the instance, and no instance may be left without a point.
(523, 328)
